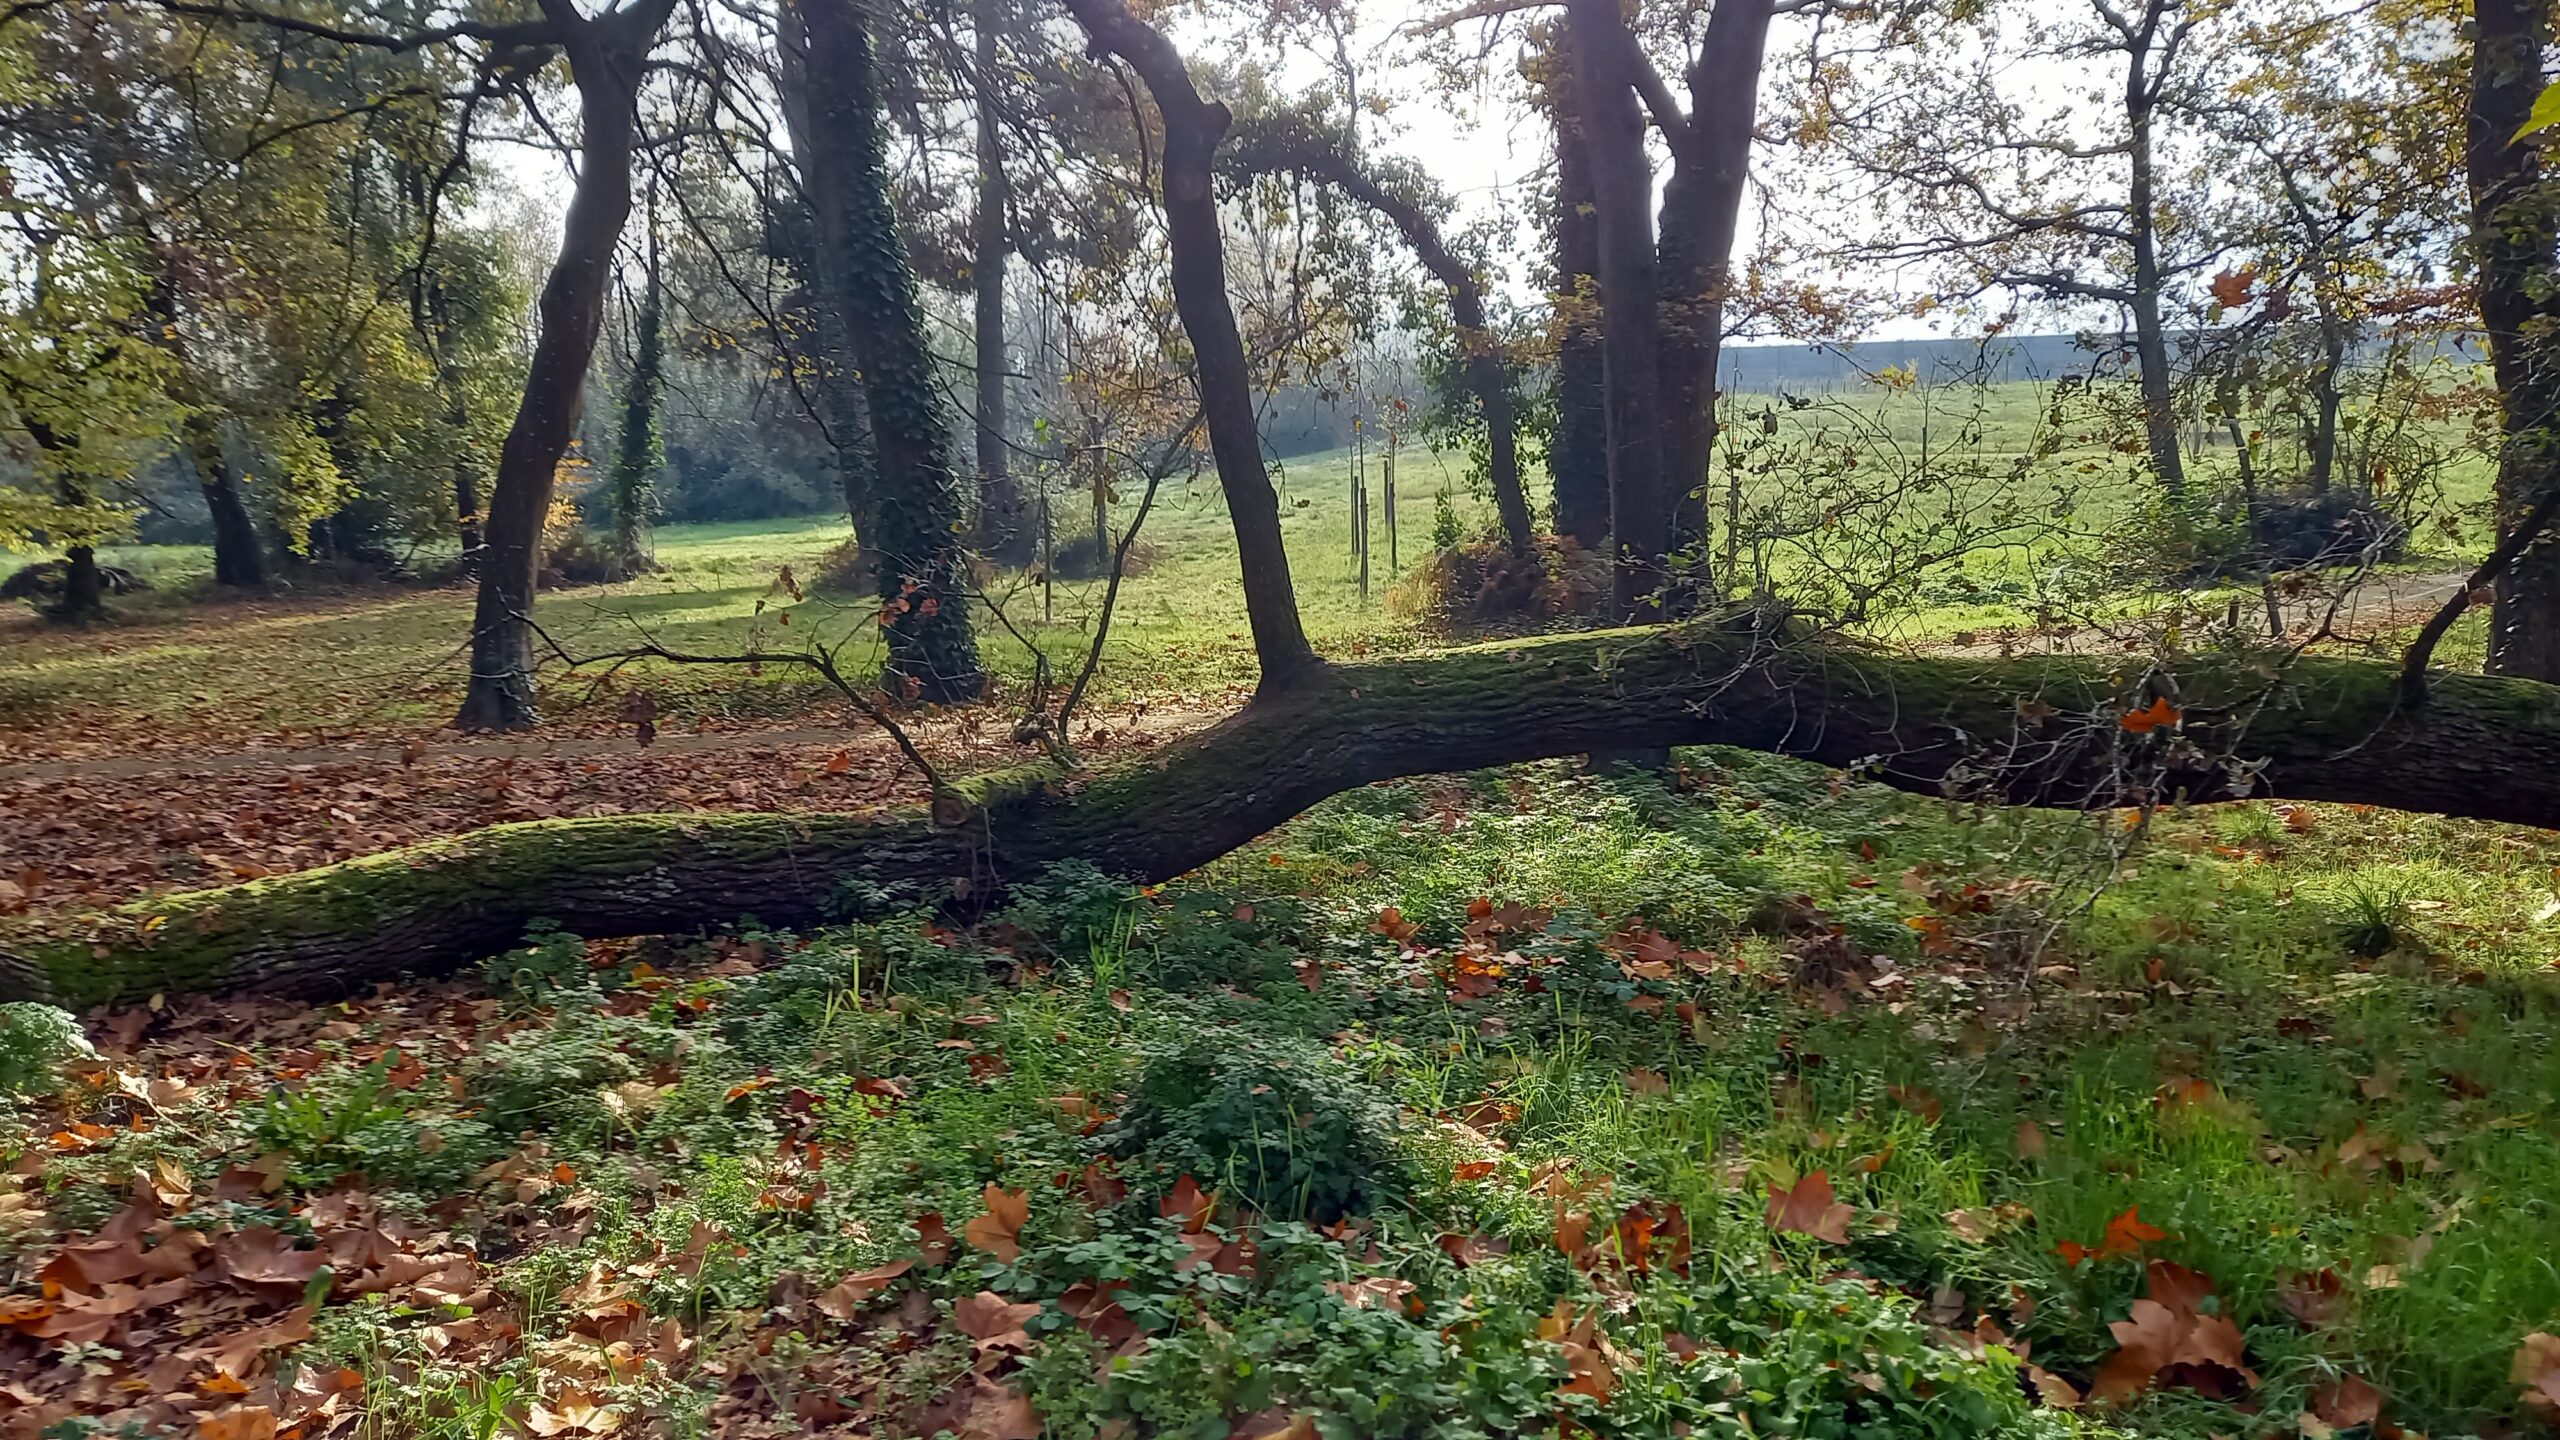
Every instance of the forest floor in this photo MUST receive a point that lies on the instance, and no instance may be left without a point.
(1748, 1100)
(1747, 1103)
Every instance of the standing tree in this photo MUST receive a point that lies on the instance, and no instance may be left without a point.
(638, 450)
(917, 518)
(1294, 143)
(1985, 175)
(608, 55)
(1005, 532)
(2516, 253)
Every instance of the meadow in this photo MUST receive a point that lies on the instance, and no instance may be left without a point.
(2037, 522)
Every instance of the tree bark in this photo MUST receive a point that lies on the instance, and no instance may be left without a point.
(840, 413)
(1578, 454)
(917, 520)
(637, 451)
(239, 560)
(1004, 532)
(1192, 129)
(2150, 334)
(2516, 242)
(606, 55)
(1701, 219)
(2039, 731)
(1278, 147)
(1622, 194)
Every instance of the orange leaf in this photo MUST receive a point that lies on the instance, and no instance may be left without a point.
(1188, 1203)
(999, 1231)
(2143, 722)
(1809, 1209)
(240, 1422)
(2347, 1401)
(2127, 1234)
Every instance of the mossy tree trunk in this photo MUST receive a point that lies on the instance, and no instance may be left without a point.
(918, 524)
(638, 452)
(2029, 731)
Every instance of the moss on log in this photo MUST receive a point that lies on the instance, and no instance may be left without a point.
(2043, 731)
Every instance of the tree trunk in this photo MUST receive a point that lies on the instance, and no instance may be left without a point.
(605, 59)
(466, 496)
(2326, 400)
(916, 511)
(1622, 193)
(637, 451)
(1290, 147)
(238, 559)
(2516, 243)
(1004, 532)
(1701, 219)
(2150, 335)
(84, 589)
(1192, 129)
(2041, 731)
(1578, 456)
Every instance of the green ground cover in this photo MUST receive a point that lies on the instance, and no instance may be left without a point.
(1745, 1103)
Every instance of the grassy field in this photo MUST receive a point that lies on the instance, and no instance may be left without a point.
(394, 656)
(2056, 542)
(1527, 1104)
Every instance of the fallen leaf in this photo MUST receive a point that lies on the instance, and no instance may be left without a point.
(2347, 1401)
(999, 1231)
(994, 1322)
(238, 1422)
(2536, 1367)
(2158, 715)
(578, 1413)
(846, 1299)
(1809, 1209)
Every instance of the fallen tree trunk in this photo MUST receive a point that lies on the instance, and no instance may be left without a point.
(2043, 731)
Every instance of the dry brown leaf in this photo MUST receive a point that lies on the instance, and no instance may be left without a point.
(993, 1321)
(1808, 1208)
(846, 1299)
(999, 1231)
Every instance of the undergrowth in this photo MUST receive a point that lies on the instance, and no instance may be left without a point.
(1740, 1101)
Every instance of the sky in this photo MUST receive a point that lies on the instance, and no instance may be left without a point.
(1485, 147)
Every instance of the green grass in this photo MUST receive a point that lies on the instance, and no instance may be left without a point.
(2208, 1041)
(2069, 533)
(391, 655)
